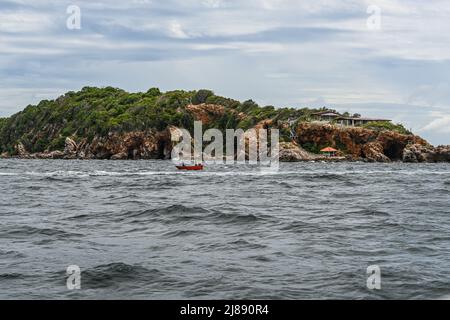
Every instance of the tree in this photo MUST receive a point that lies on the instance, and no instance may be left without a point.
(249, 105)
(153, 92)
(201, 96)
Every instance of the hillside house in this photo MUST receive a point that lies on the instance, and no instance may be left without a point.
(351, 121)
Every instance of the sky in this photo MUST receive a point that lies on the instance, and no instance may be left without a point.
(379, 58)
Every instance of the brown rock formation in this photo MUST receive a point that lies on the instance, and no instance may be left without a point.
(354, 143)
(291, 152)
(48, 155)
(205, 112)
(373, 151)
(208, 112)
(120, 156)
(130, 145)
(120, 146)
(70, 148)
(359, 143)
(421, 153)
(21, 151)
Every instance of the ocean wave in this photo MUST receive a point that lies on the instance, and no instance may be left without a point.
(368, 212)
(183, 233)
(181, 208)
(11, 254)
(66, 179)
(59, 173)
(260, 258)
(242, 243)
(285, 185)
(170, 214)
(78, 217)
(27, 231)
(319, 174)
(11, 276)
(300, 227)
(117, 273)
(129, 173)
(234, 217)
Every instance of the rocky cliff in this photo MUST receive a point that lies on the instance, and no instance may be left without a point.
(130, 145)
(425, 153)
(353, 144)
(358, 143)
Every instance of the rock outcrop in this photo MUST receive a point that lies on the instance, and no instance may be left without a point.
(207, 113)
(354, 144)
(70, 148)
(374, 152)
(21, 151)
(122, 146)
(291, 152)
(115, 146)
(359, 143)
(425, 153)
(48, 155)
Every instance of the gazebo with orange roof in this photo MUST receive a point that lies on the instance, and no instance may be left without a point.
(329, 151)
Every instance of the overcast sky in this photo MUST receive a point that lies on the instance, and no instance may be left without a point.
(276, 52)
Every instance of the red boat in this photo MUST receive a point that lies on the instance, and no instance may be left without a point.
(196, 167)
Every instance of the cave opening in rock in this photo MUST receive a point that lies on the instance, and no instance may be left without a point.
(394, 150)
(161, 149)
(130, 153)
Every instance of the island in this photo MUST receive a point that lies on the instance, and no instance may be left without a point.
(110, 123)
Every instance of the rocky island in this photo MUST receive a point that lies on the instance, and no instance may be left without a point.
(110, 123)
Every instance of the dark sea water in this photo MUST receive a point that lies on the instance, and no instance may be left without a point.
(140, 229)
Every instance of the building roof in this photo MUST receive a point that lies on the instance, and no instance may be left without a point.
(330, 113)
(328, 149)
(327, 113)
(363, 119)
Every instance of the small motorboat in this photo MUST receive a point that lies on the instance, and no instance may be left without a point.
(195, 167)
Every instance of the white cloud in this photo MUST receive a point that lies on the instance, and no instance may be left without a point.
(176, 30)
(440, 123)
(21, 22)
(431, 94)
(213, 3)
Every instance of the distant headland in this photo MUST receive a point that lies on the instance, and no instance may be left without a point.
(110, 123)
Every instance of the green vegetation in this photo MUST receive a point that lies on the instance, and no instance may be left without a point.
(99, 111)
(202, 96)
(2, 122)
(386, 125)
(312, 147)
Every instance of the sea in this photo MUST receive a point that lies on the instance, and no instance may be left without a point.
(144, 230)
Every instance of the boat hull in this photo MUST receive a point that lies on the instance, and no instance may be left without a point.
(190, 168)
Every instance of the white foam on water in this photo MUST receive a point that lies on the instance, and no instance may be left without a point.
(83, 174)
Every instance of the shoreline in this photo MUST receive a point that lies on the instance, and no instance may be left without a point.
(317, 160)
(138, 146)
